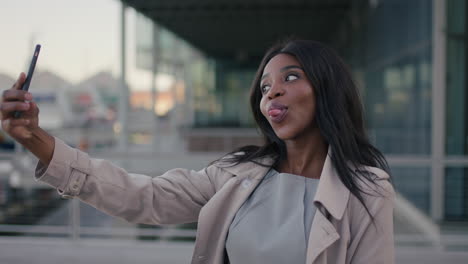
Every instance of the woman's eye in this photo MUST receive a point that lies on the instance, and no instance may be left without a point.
(264, 88)
(291, 77)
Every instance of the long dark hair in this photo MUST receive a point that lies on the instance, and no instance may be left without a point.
(339, 116)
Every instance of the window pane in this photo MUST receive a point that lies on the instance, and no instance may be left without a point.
(230, 94)
(415, 185)
(395, 57)
(457, 116)
(456, 194)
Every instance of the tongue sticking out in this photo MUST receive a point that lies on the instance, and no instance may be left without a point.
(274, 112)
(277, 115)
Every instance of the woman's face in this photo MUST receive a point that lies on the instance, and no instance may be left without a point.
(288, 99)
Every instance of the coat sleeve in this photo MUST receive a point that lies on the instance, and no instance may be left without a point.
(172, 198)
(372, 241)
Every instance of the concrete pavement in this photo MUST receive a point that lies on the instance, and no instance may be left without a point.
(38, 250)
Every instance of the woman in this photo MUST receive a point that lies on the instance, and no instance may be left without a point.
(315, 192)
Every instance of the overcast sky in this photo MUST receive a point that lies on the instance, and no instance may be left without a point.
(79, 38)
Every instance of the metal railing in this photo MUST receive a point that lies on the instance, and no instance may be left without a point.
(34, 204)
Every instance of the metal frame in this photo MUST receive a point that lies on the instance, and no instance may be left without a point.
(165, 233)
(124, 93)
(438, 108)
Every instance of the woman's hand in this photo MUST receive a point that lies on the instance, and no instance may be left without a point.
(25, 129)
(15, 99)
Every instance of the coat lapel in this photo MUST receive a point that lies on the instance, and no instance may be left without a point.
(226, 203)
(322, 235)
(331, 200)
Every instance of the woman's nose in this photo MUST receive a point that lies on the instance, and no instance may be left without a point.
(275, 91)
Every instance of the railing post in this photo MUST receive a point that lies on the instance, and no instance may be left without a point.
(74, 214)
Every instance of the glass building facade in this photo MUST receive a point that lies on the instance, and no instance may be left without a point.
(230, 107)
(391, 54)
(395, 56)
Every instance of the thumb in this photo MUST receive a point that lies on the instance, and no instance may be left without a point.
(19, 82)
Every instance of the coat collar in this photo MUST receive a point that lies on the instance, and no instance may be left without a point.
(250, 170)
(331, 192)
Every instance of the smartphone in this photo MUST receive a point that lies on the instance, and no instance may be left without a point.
(27, 82)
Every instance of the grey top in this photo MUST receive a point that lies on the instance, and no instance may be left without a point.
(273, 225)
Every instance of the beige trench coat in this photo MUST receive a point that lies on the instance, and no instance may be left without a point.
(342, 231)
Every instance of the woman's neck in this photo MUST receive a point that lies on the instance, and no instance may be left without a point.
(306, 155)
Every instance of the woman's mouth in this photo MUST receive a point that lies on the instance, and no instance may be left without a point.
(277, 112)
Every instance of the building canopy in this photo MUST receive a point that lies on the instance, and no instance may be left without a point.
(242, 30)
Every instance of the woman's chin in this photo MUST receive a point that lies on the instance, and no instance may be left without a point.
(284, 135)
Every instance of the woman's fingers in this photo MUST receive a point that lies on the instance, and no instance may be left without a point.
(19, 122)
(15, 130)
(15, 99)
(32, 114)
(16, 95)
(7, 108)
